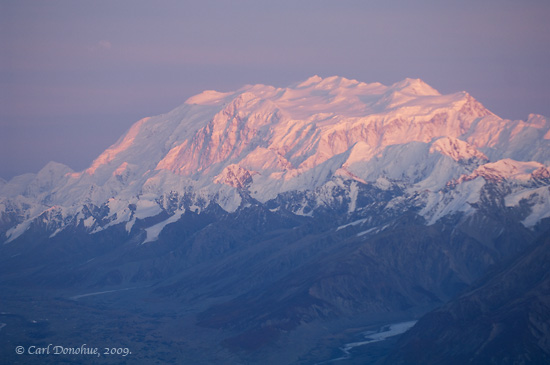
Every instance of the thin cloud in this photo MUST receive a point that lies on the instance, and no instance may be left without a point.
(101, 45)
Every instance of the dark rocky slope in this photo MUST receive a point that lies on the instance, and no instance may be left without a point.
(504, 319)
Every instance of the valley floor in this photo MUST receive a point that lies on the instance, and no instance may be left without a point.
(128, 325)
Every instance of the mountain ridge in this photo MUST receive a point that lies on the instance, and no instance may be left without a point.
(503, 318)
(273, 140)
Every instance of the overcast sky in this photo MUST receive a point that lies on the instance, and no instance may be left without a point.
(74, 75)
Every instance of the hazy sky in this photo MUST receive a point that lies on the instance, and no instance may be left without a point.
(74, 75)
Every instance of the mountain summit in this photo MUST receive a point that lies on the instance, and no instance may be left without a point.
(267, 141)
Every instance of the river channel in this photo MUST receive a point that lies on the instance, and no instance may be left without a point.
(383, 333)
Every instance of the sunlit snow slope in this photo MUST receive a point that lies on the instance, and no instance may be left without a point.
(261, 141)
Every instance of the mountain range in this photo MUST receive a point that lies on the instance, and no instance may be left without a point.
(266, 218)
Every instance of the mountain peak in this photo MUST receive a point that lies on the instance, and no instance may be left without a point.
(331, 82)
(414, 87)
(208, 97)
(54, 167)
(267, 141)
(537, 120)
(315, 79)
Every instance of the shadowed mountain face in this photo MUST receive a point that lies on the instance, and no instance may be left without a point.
(244, 284)
(247, 222)
(503, 319)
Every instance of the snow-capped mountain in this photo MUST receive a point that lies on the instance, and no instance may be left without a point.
(247, 222)
(261, 141)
